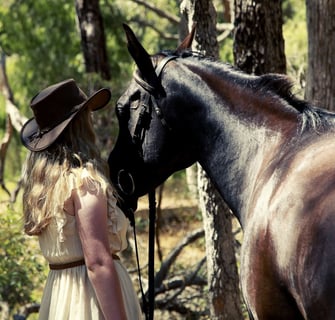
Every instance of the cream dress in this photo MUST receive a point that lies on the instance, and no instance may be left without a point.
(68, 293)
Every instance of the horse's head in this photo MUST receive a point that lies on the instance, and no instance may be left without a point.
(148, 147)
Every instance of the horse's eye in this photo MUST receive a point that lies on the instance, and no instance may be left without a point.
(135, 96)
(120, 110)
(135, 100)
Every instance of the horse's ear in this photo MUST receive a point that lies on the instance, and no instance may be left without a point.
(141, 57)
(187, 42)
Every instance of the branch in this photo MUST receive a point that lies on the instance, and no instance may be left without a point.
(224, 30)
(14, 120)
(188, 280)
(181, 309)
(163, 35)
(177, 283)
(170, 17)
(224, 35)
(4, 310)
(224, 26)
(3, 151)
(191, 278)
(171, 303)
(12, 111)
(26, 310)
(165, 267)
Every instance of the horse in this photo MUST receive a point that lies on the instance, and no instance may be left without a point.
(270, 154)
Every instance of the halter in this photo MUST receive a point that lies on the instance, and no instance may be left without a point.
(150, 102)
(142, 125)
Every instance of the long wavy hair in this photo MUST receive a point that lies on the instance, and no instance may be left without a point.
(48, 173)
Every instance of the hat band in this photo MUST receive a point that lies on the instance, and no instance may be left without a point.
(39, 133)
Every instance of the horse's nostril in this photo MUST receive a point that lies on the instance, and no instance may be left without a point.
(126, 182)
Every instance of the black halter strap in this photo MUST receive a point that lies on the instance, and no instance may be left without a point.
(163, 63)
(150, 101)
(142, 126)
(158, 70)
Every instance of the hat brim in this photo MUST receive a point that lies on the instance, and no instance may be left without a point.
(99, 99)
(34, 141)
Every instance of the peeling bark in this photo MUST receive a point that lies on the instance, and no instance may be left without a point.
(321, 59)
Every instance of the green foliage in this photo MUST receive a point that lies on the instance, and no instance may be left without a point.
(119, 58)
(154, 31)
(226, 50)
(41, 38)
(20, 269)
(295, 35)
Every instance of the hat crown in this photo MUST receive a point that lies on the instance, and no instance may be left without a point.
(54, 108)
(56, 103)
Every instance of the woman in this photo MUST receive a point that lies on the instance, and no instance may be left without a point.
(71, 206)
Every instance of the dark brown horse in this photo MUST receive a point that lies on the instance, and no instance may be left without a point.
(270, 155)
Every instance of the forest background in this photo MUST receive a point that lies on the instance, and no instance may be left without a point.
(39, 45)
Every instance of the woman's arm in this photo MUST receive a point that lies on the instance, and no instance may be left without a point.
(91, 217)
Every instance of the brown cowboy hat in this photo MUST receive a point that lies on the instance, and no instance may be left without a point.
(54, 108)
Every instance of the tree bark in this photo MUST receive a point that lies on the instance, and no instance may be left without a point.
(223, 284)
(93, 38)
(259, 42)
(320, 86)
(227, 10)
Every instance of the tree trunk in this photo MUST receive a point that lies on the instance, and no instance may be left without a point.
(320, 86)
(223, 284)
(93, 38)
(259, 42)
(227, 10)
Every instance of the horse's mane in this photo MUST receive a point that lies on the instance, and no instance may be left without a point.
(281, 85)
(277, 85)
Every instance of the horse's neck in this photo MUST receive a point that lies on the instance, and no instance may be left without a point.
(235, 166)
(240, 152)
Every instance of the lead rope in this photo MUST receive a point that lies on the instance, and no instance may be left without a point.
(144, 300)
(148, 306)
(151, 254)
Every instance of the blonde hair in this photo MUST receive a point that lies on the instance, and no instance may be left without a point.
(48, 173)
